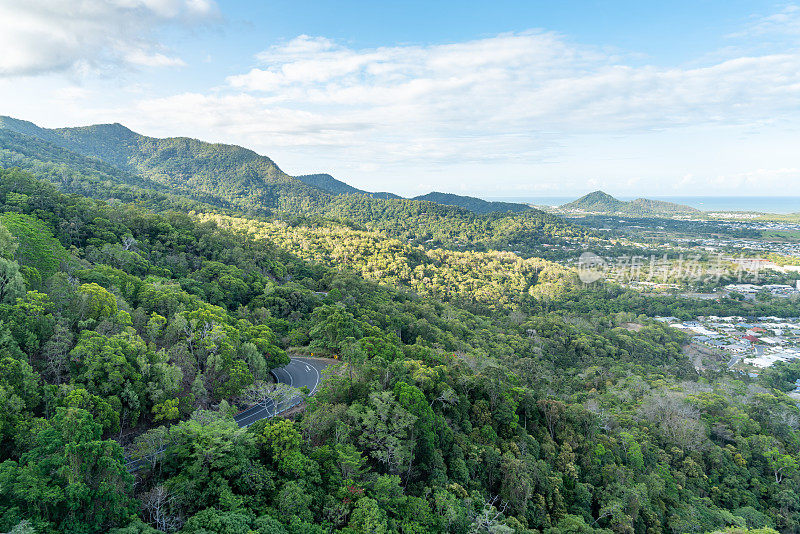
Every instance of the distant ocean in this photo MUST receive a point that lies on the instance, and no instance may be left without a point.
(760, 204)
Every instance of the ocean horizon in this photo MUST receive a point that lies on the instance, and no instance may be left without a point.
(765, 204)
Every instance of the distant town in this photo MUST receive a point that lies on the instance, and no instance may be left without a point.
(750, 343)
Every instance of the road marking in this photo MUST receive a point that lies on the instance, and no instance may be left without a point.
(317, 382)
(291, 380)
(251, 412)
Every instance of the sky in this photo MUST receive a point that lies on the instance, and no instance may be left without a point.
(495, 98)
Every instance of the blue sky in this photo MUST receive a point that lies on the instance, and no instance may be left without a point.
(493, 98)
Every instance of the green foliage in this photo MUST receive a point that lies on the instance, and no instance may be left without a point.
(37, 246)
(473, 204)
(96, 303)
(69, 479)
(599, 202)
(8, 243)
(12, 285)
(477, 391)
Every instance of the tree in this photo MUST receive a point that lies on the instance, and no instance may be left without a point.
(160, 509)
(332, 326)
(96, 302)
(386, 430)
(69, 477)
(8, 243)
(20, 395)
(37, 246)
(110, 366)
(209, 462)
(367, 517)
(553, 412)
(55, 352)
(150, 446)
(102, 411)
(282, 444)
(12, 285)
(487, 520)
(166, 411)
(781, 464)
(293, 502)
(219, 522)
(238, 377)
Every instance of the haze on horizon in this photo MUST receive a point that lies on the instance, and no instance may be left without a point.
(488, 99)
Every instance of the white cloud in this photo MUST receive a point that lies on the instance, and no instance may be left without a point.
(65, 35)
(512, 97)
(526, 112)
(785, 22)
(153, 59)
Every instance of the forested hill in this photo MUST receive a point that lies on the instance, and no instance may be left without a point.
(112, 162)
(330, 184)
(473, 204)
(74, 173)
(600, 202)
(152, 329)
(230, 174)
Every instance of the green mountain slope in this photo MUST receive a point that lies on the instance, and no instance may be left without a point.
(600, 202)
(597, 201)
(659, 207)
(74, 173)
(473, 204)
(328, 183)
(110, 161)
(228, 174)
(122, 327)
(28, 152)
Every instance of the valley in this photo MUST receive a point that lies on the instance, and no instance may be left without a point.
(153, 289)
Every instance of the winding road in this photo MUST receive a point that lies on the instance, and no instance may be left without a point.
(300, 372)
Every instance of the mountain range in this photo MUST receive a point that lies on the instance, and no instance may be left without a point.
(227, 176)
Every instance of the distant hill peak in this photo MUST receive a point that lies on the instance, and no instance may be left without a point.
(597, 201)
(600, 195)
(328, 183)
(601, 202)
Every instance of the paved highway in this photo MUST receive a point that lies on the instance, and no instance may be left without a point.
(300, 372)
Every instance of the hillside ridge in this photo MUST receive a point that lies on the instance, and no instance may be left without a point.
(602, 202)
(474, 204)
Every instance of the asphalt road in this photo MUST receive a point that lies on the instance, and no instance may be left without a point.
(298, 373)
(301, 372)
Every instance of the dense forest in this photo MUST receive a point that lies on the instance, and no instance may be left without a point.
(118, 321)
(470, 390)
(112, 162)
(481, 281)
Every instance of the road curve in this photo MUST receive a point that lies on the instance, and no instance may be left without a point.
(300, 372)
